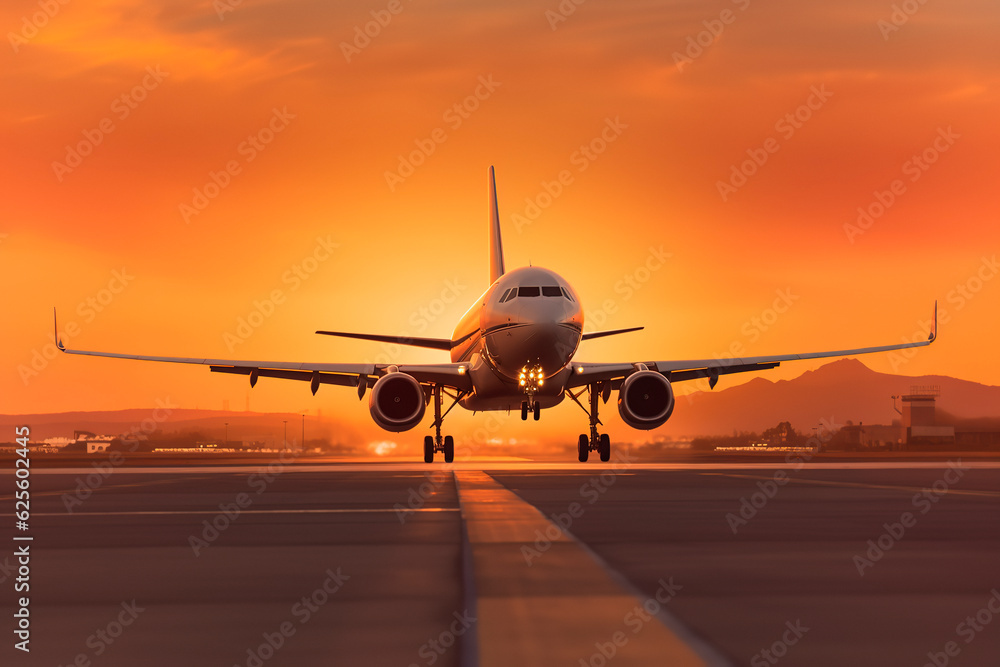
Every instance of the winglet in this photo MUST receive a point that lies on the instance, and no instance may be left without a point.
(933, 335)
(55, 331)
(496, 245)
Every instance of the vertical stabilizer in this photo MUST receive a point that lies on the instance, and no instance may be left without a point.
(496, 245)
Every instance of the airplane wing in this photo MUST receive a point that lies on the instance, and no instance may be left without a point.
(692, 369)
(361, 376)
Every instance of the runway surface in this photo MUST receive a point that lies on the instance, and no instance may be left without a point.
(507, 562)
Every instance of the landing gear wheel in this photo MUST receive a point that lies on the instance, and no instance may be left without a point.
(604, 447)
(537, 409)
(449, 449)
(583, 448)
(428, 449)
(524, 411)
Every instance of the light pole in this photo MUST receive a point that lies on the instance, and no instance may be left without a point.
(226, 443)
(284, 445)
(302, 446)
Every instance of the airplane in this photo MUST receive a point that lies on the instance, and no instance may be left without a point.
(514, 348)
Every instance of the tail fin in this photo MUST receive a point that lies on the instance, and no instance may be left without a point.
(496, 245)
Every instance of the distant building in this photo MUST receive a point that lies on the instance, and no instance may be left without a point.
(919, 428)
(90, 442)
(919, 419)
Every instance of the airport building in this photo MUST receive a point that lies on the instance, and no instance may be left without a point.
(920, 427)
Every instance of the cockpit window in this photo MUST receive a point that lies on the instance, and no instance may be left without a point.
(504, 297)
(567, 294)
(528, 291)
(551, 291)
(511, 293)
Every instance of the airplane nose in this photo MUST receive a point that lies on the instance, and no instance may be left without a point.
(545, 346)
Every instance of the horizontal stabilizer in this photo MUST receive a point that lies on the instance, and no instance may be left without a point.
(434, 343)
(601, 334)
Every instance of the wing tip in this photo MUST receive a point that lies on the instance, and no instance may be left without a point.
(55, 331)
(934, 325)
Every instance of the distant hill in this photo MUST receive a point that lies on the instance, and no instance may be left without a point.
(842, 390)
(209, 422)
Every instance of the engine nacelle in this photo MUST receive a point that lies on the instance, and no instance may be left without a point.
(397, 402)
(645, 400)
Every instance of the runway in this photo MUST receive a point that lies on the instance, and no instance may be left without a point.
(509, 562)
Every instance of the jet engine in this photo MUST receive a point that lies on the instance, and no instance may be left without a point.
(645, 400)
(397, 402)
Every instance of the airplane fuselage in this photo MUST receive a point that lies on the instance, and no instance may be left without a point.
(530, 320)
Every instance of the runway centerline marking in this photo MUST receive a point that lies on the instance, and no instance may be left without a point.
(864, 485)
(567, 592)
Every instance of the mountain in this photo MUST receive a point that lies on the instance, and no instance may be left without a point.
(211, 423)
(842, 390)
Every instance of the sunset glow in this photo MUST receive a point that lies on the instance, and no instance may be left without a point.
(221, 179)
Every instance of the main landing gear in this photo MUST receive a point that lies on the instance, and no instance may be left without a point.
(435, 443)
(596, 442)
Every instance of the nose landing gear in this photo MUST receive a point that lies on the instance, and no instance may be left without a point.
(530, 378)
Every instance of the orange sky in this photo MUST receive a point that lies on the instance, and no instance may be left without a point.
(884, 96)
